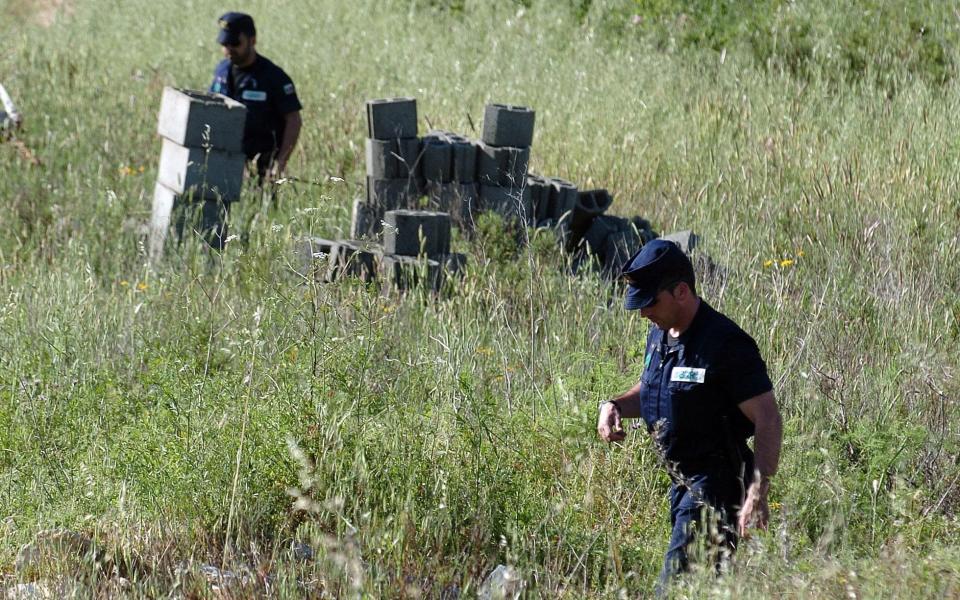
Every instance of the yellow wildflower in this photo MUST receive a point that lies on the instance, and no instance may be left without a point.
(141, 286)
(767, 264)
(787, 262)
(124, 283)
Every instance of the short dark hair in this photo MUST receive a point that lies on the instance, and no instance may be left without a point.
(687, 276)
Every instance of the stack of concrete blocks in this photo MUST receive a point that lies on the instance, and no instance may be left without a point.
(448, 164)
(394, 178)
(201, 166)
(502, 159)
(416, 250)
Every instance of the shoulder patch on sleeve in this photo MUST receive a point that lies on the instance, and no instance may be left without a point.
(288, 89)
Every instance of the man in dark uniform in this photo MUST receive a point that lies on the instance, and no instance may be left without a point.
(704, 391)
(273, 109)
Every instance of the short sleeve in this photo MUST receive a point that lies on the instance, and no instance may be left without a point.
(741, 373)
(285, 94)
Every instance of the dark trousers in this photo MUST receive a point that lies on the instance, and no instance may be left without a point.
(703, 504)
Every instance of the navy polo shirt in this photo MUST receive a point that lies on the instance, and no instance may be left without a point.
(267, 92)
(691, 389)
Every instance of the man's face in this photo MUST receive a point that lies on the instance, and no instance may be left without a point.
(241, 53)
(665, 311)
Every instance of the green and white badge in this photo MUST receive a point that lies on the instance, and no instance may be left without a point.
(688, 374)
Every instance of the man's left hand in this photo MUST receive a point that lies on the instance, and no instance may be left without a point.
(755, 513)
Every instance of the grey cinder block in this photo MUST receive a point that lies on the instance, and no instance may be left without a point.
(464, 161)
(407, 272)
(503, 166)
(201, 119)
(563, 197)
(618, 248)
(539, 197)
(364, 219)
(313, 257)
(353, 258)
(415, 232)
(392, 118)
(437, 160)
(596, 235)
(460, 200)
(513, 203)
(506, 125)
(687, 240)
(204, 173)
(184, 218)
(590, 204)
(454, 264)
(392, 159)
(392, 194)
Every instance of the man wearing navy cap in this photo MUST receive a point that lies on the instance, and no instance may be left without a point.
(703, 392)
(273, 109)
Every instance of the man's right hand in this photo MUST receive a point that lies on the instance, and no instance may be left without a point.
(608, 424)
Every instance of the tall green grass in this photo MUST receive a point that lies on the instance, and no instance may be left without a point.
(156, 408)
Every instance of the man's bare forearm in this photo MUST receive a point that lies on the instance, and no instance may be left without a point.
(629, 402)
(291, 133)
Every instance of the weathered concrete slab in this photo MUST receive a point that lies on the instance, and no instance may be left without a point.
(506, 125)
(176, 215)
(204, 173)
(687, 240)
(312, 257)
(201, 119)
(502, 166)
(511, 202)
(353, 258)
(389, 118)
(416, 232)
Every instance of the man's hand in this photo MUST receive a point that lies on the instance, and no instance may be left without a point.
(755, 513)
(608, 423)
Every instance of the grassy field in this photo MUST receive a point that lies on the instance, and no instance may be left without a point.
(176, 414)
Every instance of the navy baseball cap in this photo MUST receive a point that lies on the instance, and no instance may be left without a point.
(232, 24)
(657, 263)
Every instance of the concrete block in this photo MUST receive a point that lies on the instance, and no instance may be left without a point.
(687, 240)
(353, 258)
(392, 194)
(459, 200)
(416, 232)
(506, 125)
(512, 203)
(408, 272)
(563, 197)
(539, 197)
(596, 235)
(392, 159)
(618, 248)
(454, 264)
(464, 161)
(201, 119)
(312, 256)
(183, 218)
(503, 166)
(392, 118)
(437, 160)
(590, 204)
(204, 173)
(364, 220)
